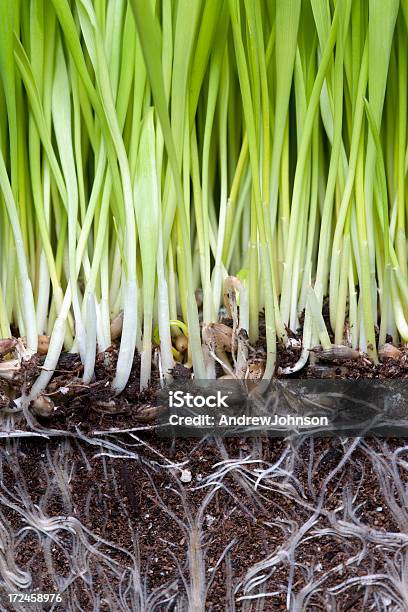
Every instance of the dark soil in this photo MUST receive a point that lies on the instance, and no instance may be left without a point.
(116, 532)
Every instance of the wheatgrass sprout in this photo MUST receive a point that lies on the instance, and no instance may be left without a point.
(148, 219)
(154, 152)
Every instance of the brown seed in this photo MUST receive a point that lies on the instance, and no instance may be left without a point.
(181, 343)
(389, 351)
(43, 344)
(43, 406)
(337, 352)
(106, 407)
(148, 414)
(219, 336)
(7, 345)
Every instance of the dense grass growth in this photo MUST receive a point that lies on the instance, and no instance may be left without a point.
(152, 148)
